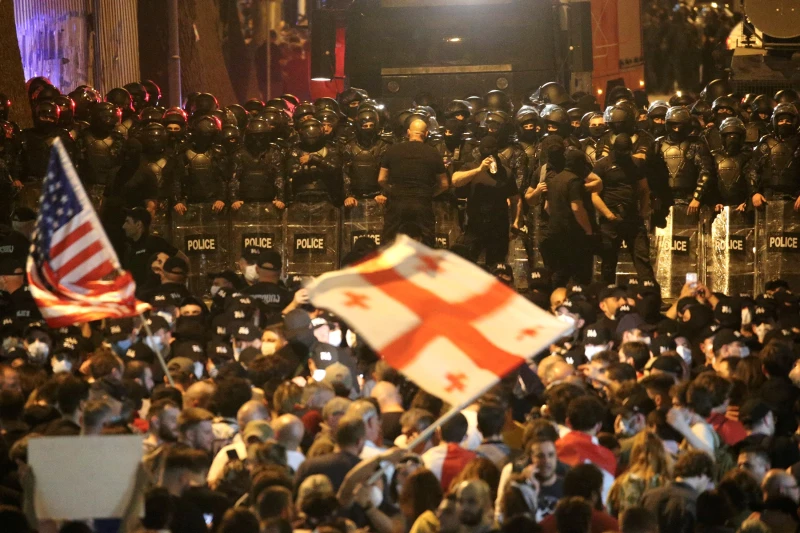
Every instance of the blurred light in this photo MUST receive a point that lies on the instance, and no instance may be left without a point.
(379, 107)
(599, 91)
(320, 79)
(714, 5)
(453, 39)
(502, 83)
(641, 83)
(678, 93)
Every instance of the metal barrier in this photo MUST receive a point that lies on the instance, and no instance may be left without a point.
(204, 237)
(312, 238)
(259, 225)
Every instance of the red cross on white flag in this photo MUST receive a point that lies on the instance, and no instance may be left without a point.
(445, 323)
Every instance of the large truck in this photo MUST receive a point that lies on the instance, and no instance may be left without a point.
(396, 49)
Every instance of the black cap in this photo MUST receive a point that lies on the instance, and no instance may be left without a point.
(539, 280)
(667, 363)
(763, 312)
(12, 263)
(189, 349)
(324, 355)
(775, 284)
(176, 265)
(140, 351)
(244, 331)
(726, 336)
(503, 269)
(596, 335)
(163, 298)
(612, 291)
(219, 350)
(708, 331)
(728, 313)
(648, 287)
(661, 344)
(23, 214)
(630, 322)
(157, 323)
(118, 329)
(753, 411)
(140, 214)
(269, 259)
(251, 253)
(576, 291)
(668, 327)
(228, 275)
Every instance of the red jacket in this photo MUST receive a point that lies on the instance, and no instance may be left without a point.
(577, 447)
(601, 522)
(730, 431)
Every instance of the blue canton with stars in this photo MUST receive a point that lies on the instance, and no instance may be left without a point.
(59, 205)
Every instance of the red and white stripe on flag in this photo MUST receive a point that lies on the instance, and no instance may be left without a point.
(444, 322)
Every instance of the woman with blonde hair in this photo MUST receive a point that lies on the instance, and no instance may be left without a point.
(650, 466)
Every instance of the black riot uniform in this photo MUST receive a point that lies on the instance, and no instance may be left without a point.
(313, 166)
(556, 121)
(101, 146)
(687, 161)
(731, 163)
(526, 120)
(624, 191)
(258, 167)
(38, 140)
(723, 107)
(66, 117)
(656, 115)
(202, 166)
(175, 120)
(593, 135)
(760, 116)
(152, 179)
(775, 172)
(362, 158)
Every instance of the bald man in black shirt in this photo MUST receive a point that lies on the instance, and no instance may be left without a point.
(412, 174)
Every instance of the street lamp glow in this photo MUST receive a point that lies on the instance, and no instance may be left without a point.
(453, 39)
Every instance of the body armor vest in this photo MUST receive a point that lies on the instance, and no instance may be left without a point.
(100, 158)
(364, 168)
(203, 177)
(256, 184)
(754, 130)
(590, 149)
(311, 180)
(682, 170)
(731, 182)
(37, 150)
(780, 172)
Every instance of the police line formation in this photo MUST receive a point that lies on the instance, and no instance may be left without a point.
(705, 183)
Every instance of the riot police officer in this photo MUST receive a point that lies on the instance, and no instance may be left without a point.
(758, 125)
(66, 116)
(122, 99)
(151, 183)
(556, 122)
(526, 121)
(656, 114)
(686, 158)
(362, 161)
(202, 169)
(175, 120)
(313, 166)
(596, 128)
(723, 107)
(38, 140)
(624, 205)
(775, 172)
(139, 96)
(731, 164)
(621, 118)
(257, 168)
(101, 146)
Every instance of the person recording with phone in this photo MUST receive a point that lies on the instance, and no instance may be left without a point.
(490, 189)
(411, 175)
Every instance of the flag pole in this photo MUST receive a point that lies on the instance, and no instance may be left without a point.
(157, 351)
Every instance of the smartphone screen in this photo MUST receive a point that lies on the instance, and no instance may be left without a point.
(691, 278)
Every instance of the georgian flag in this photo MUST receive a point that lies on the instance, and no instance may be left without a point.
(445, 323)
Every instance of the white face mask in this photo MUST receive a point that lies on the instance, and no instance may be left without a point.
(591, 350)
(60, 367)
(250, 273)
(335, 337)
(198, 370)
(155, 343)
(747, 316)
(38, 350)
(686, 354)
(267, 348)
(318, 375)
(567, 319)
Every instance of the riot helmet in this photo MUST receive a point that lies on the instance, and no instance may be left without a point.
(762, 108)
(257, 135)
(620, 92)
(620, 120)
(153, 93)
(527, 119)
(254, 106)
(84, 98)
(203, 104)
(122, 99)
(553, 93)
(715, 89)
(556, 120)
(291, 101)
(204, 132)
(350, 99)
(47, 93)
(311, 136)
(682, 99)
(497, 100)
(230, 138)
(679, 123)
(139, 95)
(702, 110)
(330, 121)
(34, 85)
(786, 96)
(784, 120)
(45, 114)
(150, 114)
(367, 122)
(104, 116)
(304, 111)
(723, 107)
(326, 102)
(66, 111)
(656, 114)
(575, 116)
(240, 114)
(733, 133)
(453, 131)
(154, 138)
(593, 125)
(498, 125)
(457, 109)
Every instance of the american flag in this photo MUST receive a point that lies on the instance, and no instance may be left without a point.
(73, 272)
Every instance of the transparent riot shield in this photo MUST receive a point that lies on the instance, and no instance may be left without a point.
(28, 196)
(679, 250)
(519, 249)
(363, 220)
(204, 237)
(256, 224)
(162, 221)
(730, 252)
(312, 238)
(777, 244)
(625, 269)
(448, 230)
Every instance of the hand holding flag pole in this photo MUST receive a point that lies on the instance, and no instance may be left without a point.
(73, 272)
